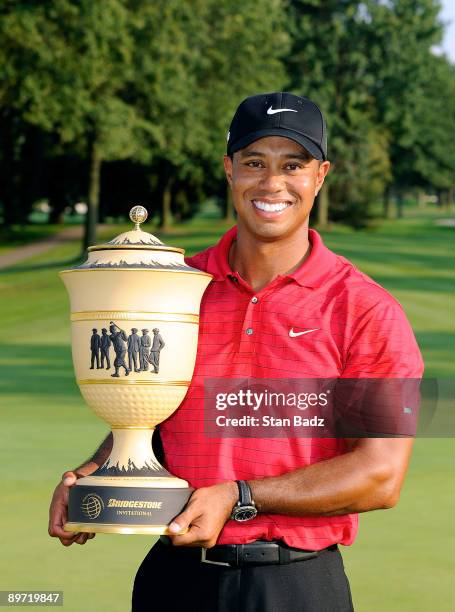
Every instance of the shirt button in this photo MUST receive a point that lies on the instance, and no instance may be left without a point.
(249, 331)
(255, 300)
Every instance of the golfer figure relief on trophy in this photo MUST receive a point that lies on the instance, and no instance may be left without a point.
(134, 321)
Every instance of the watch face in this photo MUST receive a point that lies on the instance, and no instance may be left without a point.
(244, 513)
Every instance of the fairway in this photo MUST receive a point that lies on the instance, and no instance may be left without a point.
(402, 559)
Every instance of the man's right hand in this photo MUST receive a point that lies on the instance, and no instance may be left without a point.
(58, 511)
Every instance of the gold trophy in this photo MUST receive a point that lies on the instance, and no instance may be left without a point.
(134, 320)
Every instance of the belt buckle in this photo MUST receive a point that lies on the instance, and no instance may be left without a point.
(205, 560)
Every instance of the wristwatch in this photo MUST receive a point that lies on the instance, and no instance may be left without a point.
(244, 509)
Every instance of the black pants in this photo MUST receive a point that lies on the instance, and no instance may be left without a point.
(177, 579)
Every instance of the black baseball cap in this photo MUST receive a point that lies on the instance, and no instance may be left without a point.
(279, 114)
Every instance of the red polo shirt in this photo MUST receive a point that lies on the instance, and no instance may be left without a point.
(362, 331)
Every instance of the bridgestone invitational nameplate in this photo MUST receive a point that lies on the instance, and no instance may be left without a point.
(134, 322)
(106, 508)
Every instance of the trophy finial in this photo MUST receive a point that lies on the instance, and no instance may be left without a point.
(138, 214)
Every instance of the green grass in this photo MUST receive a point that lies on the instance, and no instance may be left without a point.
(402, 559)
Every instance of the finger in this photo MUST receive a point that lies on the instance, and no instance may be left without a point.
(175, 529)
(181, 523)
(56, 530)
(57, 519)
(69, 538)
(82, 538)
(59, 503)
(69, 478)
(67, 543)
(191, 538)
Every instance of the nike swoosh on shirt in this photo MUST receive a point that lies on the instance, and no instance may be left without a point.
(294, 334)
(273, 111)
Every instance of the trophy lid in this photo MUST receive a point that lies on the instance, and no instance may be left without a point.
(135, 238)
(136, 249)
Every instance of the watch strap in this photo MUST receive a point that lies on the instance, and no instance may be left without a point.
(245, 495)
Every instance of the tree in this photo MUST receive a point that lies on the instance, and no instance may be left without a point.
(155, 84)
(329, 63)
(402, 34)
(434, 165)
(234, 69)
(67, 66)
(187, 83)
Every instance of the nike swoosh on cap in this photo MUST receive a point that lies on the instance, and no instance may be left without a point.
(294, 334)
(273, 111)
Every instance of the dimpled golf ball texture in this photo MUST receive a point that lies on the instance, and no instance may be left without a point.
(133, 405)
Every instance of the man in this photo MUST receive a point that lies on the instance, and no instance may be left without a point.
(157, 345)
(95, 349)
(281, 305)
(134, 345)
(105, 346)
(146, 343)
(118, 339)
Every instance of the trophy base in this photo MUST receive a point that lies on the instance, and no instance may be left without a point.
(125, 505)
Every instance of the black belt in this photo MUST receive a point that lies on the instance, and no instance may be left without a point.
(255, 553)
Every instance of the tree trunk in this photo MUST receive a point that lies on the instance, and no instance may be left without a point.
(18, 166)
(91, 218)
(323, 206)
(387, 201)
(449, 198)
(166, 212)
(56, 216)
(229, 205)
(439, 198)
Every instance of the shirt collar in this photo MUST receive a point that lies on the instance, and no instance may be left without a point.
(218, 260)
(319, 266)
(312, 273)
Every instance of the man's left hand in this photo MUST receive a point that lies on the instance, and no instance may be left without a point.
(204, 516)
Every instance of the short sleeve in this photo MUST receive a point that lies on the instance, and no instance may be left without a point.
(383, 345)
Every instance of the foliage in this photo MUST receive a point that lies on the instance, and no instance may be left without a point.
(329, 63)
(135, 97)
(194, 61)
(402, 35)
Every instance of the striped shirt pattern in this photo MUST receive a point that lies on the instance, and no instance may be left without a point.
(362, 331)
